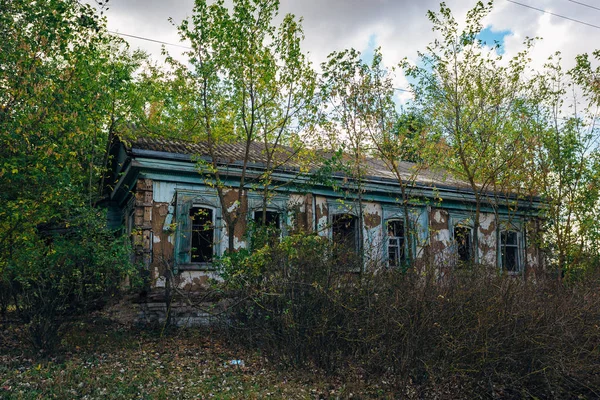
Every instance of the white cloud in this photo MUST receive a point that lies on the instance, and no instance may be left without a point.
(400, 26)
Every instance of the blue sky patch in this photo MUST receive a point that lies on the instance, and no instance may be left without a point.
(367, 53)
(489, 36)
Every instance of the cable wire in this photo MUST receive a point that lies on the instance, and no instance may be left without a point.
(150, 40)
(585, 5)
(189, 48)
(556, 15)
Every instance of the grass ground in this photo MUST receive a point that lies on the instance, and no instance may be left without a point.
(100, 360)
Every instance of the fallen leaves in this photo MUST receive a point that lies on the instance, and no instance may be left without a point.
(115, 363)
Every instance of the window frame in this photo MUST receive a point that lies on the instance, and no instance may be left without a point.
(357, 246)
(277, 203)
(469, 229)
(214, 235)
(184, 201)
(402, 246)
(416, 229)
(465, 219)
(341, 207)
(517, 229)
(255, 213)
(280, 228)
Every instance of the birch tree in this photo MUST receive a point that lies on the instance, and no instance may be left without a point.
(569, 162)
(246, 82)
(475, 101)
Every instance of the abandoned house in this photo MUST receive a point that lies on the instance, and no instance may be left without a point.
(163, 196)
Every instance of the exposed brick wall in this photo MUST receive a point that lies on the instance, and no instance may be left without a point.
(142, 229)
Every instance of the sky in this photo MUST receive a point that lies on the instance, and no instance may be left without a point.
(399, 27)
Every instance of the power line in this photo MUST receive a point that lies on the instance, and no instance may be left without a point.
(585, 5)
(150, 40)
(556, 15)
(189, 48)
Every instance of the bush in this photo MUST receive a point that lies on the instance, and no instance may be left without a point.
(63, 271)
(473, 333)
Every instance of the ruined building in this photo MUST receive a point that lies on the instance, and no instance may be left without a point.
(162, 195)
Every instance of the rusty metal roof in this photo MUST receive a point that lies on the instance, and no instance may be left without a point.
(287, 158)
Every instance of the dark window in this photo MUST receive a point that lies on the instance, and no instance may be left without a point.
(202, 234)
(396, 241)
(509, 250)
(268, 230)
(463, 239)
(344, 228)
(271, 219)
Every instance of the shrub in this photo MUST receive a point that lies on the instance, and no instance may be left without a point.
(473, 333)
(65, 270)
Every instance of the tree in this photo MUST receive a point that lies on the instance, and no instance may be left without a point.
(569, 162)
(246, 82)
(64, 82)
(347, 115)
(476, 102)
(361, 117)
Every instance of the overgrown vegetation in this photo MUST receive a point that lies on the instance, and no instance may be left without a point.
(469, 333)
(54, 280)
(65, 86)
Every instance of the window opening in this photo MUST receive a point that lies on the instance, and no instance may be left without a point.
(202, 234)
(269, 232)
(509, 250)
(271, 220)
(344, 227)
(396, 242)
(463, 240)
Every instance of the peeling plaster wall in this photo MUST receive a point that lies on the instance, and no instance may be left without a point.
(165, 192)
(195, 281)
(322, 216)
(162, 248)
(440, 237)
(373, 233)
(300, 213)
(533, 254)
(487, 239)
(155, 247)
(241, 207)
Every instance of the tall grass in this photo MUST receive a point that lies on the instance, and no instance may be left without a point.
(467, 333)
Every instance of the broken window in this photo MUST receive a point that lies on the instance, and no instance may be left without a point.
(270, 224)
(509, 251)
(270, 220)
(396, 243)
(463, 237)
(202, 234)
(344, 231)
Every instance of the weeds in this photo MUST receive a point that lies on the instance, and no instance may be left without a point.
(471, 333)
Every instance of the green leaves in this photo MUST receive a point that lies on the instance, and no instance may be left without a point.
(65, 87)
(247, 81)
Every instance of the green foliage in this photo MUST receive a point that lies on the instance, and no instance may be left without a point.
(476, 103)
(65, 87)
(268, 261)
(410, 139)
(64, 82)
(246, 81)
(568, 166)
(65, 271)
